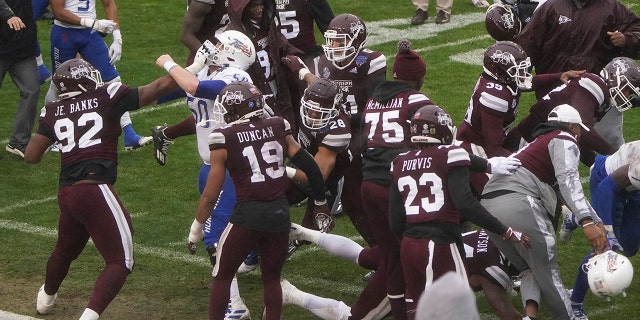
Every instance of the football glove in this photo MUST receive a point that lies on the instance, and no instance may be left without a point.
(202, 57)
(100, 25)
(322, 218)
(115, 50)
(612, 239)
(516, 236)
(195, 234)
(296, 65)
(503, 165)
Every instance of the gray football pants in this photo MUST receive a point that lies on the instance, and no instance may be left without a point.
(528, 215)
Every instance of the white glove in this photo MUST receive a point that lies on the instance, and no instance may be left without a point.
(202, 58)
(195, 235)
(503, 165)
(101, 25)
(115, 50)
(612, 239)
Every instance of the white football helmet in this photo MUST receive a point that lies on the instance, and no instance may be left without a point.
(234, 49)
(609, 274)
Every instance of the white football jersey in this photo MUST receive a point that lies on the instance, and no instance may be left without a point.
(81, 8)
(202, 108)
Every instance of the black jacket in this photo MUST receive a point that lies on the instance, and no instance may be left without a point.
(22, 43)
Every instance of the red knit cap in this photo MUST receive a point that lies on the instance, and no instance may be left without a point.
(408, 65)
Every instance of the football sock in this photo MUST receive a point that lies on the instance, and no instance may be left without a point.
(89, 314)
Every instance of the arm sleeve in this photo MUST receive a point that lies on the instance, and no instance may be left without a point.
(630, 27)
(546, 81)
(565, 157)
(5, 11)
(321, 13)
(492, 133)
(397, 214)
(209, 89)
(303, 160)
(478, 164)
(468, 205)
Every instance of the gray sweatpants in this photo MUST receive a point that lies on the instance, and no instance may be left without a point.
(527, 214)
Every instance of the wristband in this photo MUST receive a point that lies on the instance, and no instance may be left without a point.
(85, 22)
(168, 65)
(591, 223)
(320, 203)
(290, 172)
(303, 72)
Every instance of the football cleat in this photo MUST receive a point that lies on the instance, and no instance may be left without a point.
(45, 302)
(236, 309)
(160, 143)
(290, 294)
(368, 276)
(137, 143)
(568, 225)
(578, 311)
(17, 149)
(250, 263)
(55, 147)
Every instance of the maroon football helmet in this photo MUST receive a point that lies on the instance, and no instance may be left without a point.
(622, 76)
(507, 62)
(431, 124)
(345, 37)
(320, 103)
(238, 102)
(502, 23)
(74, 77)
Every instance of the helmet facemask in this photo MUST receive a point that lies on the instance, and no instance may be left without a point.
(339, 47)
(314, 115)
(622, 92)
(520, 73)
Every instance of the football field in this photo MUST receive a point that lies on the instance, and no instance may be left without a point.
(168, 282)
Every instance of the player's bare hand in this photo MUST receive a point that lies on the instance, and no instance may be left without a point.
(617, 38)
(568, 75)
(596, 236)
(163, 59)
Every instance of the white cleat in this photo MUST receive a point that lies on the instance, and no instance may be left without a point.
(236, 309)
(45, 302)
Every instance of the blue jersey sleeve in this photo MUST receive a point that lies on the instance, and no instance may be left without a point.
(209, 89)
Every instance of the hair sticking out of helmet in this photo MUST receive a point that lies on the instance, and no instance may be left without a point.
(345, 37)
(321, 103)
(238, 102)
(609, 274)
(622, 76)
(432, 124)
(75, 77)
(502, 23)
(234, 49)
(408, 64)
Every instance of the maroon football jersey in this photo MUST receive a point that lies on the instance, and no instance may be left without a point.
(588, 94)
(88, 126)
(491, 112)
(264, 60)
(482, 257)
(335, 136)
(255, 157)
(296, 23)
(354, 79)
(536, 158)
(421, 177)
(387, 125)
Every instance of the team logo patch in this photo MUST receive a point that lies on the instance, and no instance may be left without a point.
(235, 97)
(360, 60)
(563, 19)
